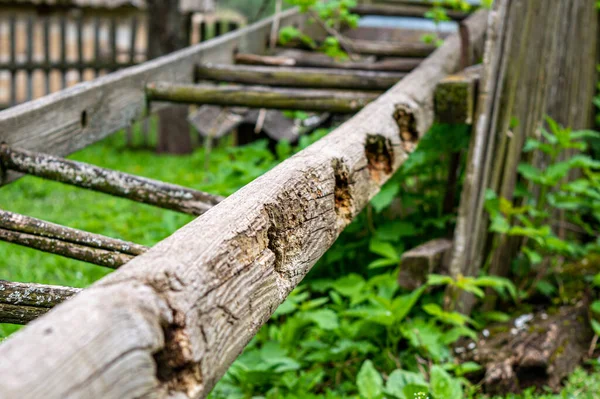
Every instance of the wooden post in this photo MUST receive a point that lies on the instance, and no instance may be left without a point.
(172, 321)
(166, 25)
(148, 191)
(299, 77)
(261, 97)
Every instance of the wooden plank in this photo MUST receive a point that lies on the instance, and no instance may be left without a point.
(260, 97)
(12, 27)
(119, 184)
(80, 59)
(29, 55)
(46, 39)
(455, 97)
(63, 21)
(299, 77)
(419, 262)
(171, 322)
(53, 124)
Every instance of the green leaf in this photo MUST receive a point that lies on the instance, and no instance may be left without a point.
(326, 319)
(467, 368)
(595, 306)
(385, 197)
(438, 279)
(349, 285)
(383, 262)
(454, 318)
(384, 249)
(595, 326)
(402, 305)
(369, 381)
(443, 385)
(399, 379)
(496, 316)
(456, 333)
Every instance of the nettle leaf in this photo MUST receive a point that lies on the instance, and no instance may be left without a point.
(438, 279)
(384, 249)
(595, 306)
(326, 319)
(496, 316)
(400, 379)
(467, 368)
(500, 284)
(456, 333)
(530, 172)
(385, 197)
(595, 326)
(443, 385)
(369, 382)
(349, 285)
(402, 305)
(454, 318)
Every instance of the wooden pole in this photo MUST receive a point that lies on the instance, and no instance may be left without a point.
(307, 59)
(21, 303)
(299, 77)
(171, 322)
(261, 97)
(403, 10)
(25, 224)
(83, 253)
(381, 48)
(140, 189)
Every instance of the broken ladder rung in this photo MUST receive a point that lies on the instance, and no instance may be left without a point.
(65, 241)
(140, 189)
(21, 303)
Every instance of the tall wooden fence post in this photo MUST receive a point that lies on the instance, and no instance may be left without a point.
(167, 33)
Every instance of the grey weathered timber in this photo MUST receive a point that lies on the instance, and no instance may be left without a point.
(299, 77)
(67, 121)
(261, 97)
(170, 322)
(417, 263)
(101, 257)
(22, 302)
(30, 225)
(140, 189)
(403, 10)
(380, 48)
(309, 59)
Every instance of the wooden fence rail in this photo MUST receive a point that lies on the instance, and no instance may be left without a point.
(171, 321)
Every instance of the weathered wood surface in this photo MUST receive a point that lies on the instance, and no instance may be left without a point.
(101, 257)
(403, 10)
(378, 48)
(29, 225)
(21, 303)
(261, 97)
(171, 321)
(67, 121)
(140, 189)
(417, 263)
(299, 77)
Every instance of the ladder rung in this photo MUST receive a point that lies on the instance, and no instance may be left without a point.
(22, 302)
(261, 97)
(299, 77)
(136, 188)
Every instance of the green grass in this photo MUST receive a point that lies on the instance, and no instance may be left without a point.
(229, 169)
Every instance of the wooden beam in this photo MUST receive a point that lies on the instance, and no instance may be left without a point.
(42, 228)
(309, 59)
(20, 303)
(71, 119)
(261, 97)
(171, 322)
(403, 10)
(417, 263)
(119, 184)
(299, 77)
(379, 48)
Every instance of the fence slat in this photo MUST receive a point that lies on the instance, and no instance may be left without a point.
(97, 52)
(29, 50)
(63, 49)
(46, 40)
(12, 26)
(80, 58)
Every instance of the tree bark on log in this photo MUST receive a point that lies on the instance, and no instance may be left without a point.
(321, 78)
(379, 48)
(308, 59)
(171, 322)
(21, 303)
(29, 225)
(140, 189)
(261, 97)
(537, 350)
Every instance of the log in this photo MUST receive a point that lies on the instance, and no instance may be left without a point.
(379, 48)
(140, 189)
(83, 253)
(261, 97)
(419, 262)
(403, 10)
(536, 350)
(20, 303)
(33, 226)
(171, 321)
(321, 78)
(308, 59)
